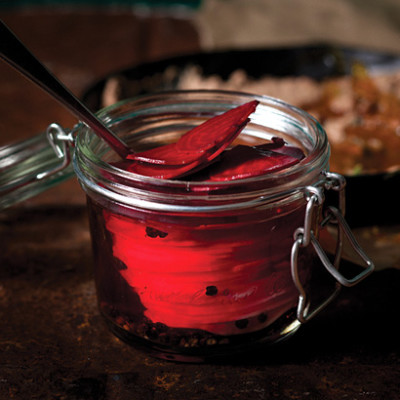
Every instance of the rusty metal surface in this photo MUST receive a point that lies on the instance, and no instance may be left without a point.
(53, 342)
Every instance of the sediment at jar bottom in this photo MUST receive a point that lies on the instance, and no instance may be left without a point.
(191, 345)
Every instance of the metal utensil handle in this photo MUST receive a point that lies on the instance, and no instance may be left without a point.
(17, 55)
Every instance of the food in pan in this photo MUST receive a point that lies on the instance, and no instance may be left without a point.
(361, 113)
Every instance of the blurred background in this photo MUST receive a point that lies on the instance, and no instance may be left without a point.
(82, 41)
(223, 23)
(59, 349)
(264, 22)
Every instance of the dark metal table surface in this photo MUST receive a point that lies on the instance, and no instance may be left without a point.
(53, 342)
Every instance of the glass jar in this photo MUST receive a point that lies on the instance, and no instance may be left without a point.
(191, 270)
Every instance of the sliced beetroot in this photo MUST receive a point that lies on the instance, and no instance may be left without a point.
(195, 149)
(218, 131)
(161, 171)
(212, 136)
(168, 155)
(155, 170)
(164, 171)
(213, 152)
(246, 161)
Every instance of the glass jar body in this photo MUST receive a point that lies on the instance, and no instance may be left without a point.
(197, 285)
(193, 270)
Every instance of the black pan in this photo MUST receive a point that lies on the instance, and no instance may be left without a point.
(371, 199)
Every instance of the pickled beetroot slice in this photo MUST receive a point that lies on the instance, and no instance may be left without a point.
(246, 161)
(218, 131)
(162, 171)
(168, 155)
(212, 136)
(189, 277)
(155, 170)
(196, 148)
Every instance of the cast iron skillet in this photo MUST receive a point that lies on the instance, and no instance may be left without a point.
(371, 198)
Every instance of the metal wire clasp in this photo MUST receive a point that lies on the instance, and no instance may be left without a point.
(35, 164)
(60, 140)
(305, 235)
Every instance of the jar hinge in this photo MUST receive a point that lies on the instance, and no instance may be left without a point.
(35, 164)
(61, 141)
(304, 236)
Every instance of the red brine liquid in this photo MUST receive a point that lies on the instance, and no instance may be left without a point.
(190, 281)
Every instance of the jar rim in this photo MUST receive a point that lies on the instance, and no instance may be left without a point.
(87, 160)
